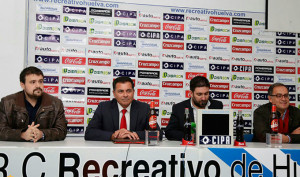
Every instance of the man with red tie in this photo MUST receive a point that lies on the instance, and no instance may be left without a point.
(122, 117)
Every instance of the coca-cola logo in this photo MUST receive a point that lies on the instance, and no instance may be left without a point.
(148, 92)
(74, 60)
(191, 75)
(51, 89)
(74, 110)
(219, 39)
(242, 95)
(173, 27)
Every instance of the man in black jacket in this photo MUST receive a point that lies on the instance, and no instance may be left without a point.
(199, 90)
(289, 120)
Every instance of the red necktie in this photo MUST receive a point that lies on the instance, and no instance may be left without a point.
(123, 120)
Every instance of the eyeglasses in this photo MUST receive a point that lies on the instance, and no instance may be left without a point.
(280, 95)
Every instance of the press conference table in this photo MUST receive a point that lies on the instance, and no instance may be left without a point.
(76, 157)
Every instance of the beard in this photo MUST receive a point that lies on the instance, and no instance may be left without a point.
(201, 104)
(35, 94)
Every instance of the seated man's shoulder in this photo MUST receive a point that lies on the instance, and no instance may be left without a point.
(12, 97)
(140, 104)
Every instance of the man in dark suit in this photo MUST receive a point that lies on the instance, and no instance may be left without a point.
(122, 117)
(199, 91)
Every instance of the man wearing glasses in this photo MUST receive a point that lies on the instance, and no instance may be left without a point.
(289, 119)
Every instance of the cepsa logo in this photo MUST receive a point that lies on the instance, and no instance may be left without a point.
(219, 20)
(150, 25)
(261, 87)
(241, 95)
(148, 101)
(164, 122)
(173, 45)
(51, 89)
(96, 100)
(241, 49)
(100, 41)
(241, 105)
(74, 110)
(74, 60)
(148, 92)
(191, 75)
(73, 80)
(242, 68)
(149, 64)
(51, 79)
(219, 86)
(219, 39)
(47, 59)
(75, 120)
(172, 84)
(243, 31)
(99, 62)
(285, 70)
(173, 27)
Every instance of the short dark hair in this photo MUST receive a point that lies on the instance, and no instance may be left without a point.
(122, 79)
(271, 88)
(30, 70)
(199, 81)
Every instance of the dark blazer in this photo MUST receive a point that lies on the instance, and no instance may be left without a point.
(261, 123)
(106, 120)
(174, 130)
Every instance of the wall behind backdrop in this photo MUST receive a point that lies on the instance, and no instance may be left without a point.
(82, 45)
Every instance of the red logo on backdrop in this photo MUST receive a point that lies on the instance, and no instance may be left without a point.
(51, 89)
(241, 95)
(99, 62)
(293, 104)
(74, 110)
(241, 49)
(73, 60)
(149, 64)
(285, 70)
(261, 87)
(75, 120)
(191, 75)
(219, 39)
(219, 86)
(187, 94)
(149, 25)
(298, 70)
(173, 27)
(241, 105)
(172, 84)
(298, 51)
(173, 45)
(219, 20)
(156, 101)
(100, 41)
(245, 31)
(148, 92)
(96, 101)
(73, 80)
(164, 122)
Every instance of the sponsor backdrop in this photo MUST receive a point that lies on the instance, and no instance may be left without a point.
(81, 46)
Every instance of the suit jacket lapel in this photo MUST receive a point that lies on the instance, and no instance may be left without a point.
(115, 114)
(133, 116)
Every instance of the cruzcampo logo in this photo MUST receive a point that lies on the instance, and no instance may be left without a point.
(212, 28)
(256, 40)
(211, 76)
(188, 37)
(234, 39)
(234, 77)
